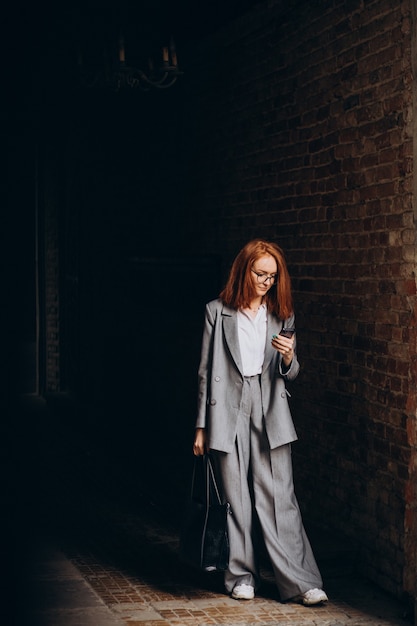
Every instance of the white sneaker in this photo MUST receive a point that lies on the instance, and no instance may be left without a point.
(312, 596)
(243, 592)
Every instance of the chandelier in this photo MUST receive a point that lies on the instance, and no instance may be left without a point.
(118, 75)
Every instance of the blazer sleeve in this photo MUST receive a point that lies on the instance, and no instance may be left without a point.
(205, 368)
(291, 372)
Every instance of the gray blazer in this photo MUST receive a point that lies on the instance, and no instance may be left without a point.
(221, 381)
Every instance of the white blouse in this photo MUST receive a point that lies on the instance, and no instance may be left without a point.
(252, 338)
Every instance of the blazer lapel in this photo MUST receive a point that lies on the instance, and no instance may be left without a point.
(231, 336)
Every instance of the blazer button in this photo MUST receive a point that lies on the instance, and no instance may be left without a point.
(213, 402)
(283, 394)
(217, 378)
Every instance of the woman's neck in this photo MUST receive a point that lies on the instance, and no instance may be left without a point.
(255, 304)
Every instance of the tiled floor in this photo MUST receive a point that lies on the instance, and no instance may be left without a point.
(137, 573)
(126, 572)
(93, 558)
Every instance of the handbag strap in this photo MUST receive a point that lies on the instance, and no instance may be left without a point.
(210, 483)
(211, 480)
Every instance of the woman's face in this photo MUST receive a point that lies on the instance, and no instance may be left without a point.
(263, 275)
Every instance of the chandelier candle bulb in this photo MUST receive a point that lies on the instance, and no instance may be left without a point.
(122, 50)
(165, 56)
(174, 60)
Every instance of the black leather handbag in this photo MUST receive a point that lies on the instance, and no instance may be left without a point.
(204, 542)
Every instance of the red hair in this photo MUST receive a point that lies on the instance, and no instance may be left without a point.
(238, 291)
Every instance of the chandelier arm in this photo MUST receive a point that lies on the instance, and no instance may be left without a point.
(123, 76)
(157, 82)
(166, 85)
(132, 74)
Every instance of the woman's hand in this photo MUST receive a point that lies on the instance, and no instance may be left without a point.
(200, 445)
(285, 346)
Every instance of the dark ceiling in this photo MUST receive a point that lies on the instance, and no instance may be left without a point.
(44, 41)
(51, 35)
(64, 22)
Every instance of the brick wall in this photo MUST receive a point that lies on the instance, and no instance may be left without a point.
(300, 130)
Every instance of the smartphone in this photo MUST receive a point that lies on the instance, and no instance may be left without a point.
(287, 332)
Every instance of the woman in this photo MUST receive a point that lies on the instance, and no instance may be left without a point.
(244, 421)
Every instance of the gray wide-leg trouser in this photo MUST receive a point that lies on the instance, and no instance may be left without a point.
(254, 477)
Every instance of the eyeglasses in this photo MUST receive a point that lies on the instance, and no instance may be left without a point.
(263, 278)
